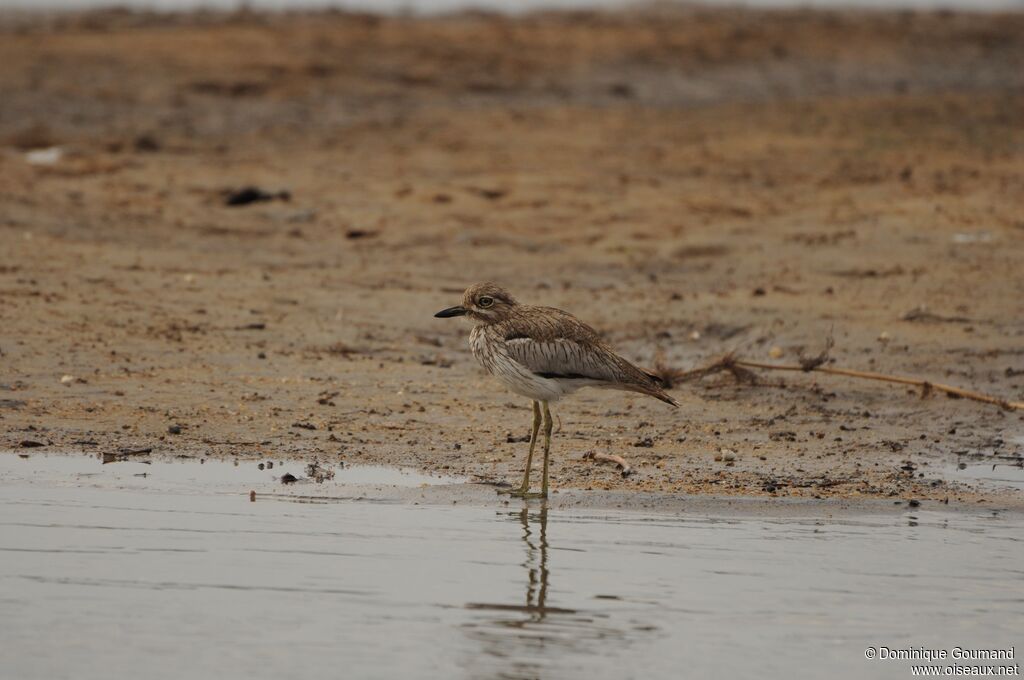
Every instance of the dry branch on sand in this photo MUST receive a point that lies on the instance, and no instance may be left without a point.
(610, 458)
(741, 370)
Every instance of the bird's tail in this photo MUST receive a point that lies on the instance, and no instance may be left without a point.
(659, 393)
(635, 379)
(653, 387)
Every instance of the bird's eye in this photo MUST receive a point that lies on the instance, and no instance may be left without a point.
(485, 301)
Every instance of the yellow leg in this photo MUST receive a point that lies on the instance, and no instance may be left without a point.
(547, 449)
(525, 486)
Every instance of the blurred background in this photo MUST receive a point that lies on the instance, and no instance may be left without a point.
(426, 6)
(362, 5)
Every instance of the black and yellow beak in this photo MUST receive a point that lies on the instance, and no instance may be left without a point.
(451, 311)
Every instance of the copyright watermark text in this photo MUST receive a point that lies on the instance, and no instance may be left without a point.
(952, 662)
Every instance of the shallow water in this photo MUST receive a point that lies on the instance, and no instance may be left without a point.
(996, 472)
(106, 575)
(199, 475)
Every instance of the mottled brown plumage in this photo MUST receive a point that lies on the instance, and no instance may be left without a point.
(544, 354)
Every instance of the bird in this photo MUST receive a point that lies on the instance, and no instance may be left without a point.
(543, 354)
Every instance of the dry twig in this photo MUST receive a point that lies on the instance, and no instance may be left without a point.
(740, 369)
(671, 377)
(610, 458)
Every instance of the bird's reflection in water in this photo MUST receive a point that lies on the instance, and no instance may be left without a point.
(536, 564)
(531, 638)
(538, 575)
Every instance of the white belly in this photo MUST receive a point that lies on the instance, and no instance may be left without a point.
(517, 377)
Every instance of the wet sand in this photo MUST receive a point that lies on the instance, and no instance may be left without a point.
(262, 481)
(690, 182)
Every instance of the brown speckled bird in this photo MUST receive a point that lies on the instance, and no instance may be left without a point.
(543, 354)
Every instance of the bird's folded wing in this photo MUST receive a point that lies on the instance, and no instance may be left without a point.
(565, 358)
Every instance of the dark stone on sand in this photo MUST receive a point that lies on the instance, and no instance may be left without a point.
(248, 195)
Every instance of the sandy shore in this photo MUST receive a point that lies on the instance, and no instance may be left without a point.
(690, 182)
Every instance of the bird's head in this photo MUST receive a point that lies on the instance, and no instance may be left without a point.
(483, 302)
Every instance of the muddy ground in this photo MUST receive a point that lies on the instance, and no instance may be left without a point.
(691, 182)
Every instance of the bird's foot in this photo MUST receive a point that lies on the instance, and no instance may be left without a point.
(523, 493)
(518, 491)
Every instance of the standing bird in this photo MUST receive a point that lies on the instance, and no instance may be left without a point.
(543, 354)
